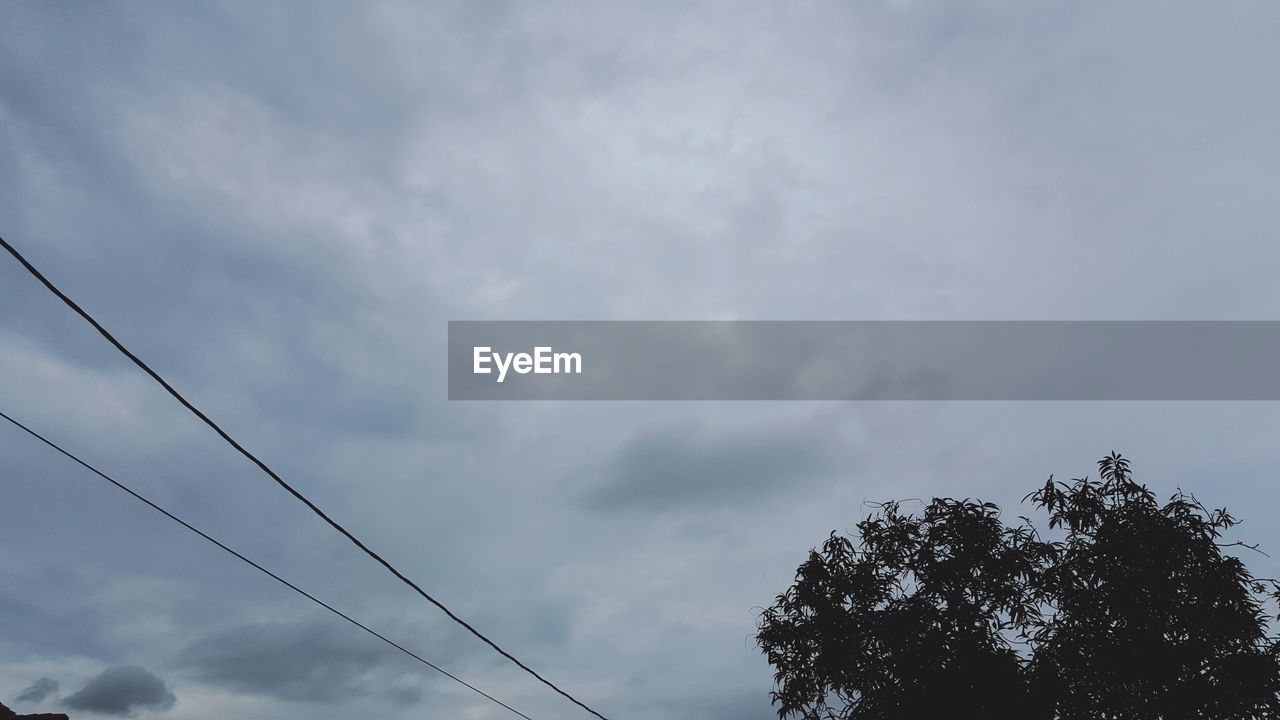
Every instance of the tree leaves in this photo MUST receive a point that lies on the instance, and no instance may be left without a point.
(1134, 612)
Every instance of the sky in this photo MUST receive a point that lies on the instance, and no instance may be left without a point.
(279, 206)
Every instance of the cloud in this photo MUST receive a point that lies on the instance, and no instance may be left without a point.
(682, 466)
(37, 691)
(279, 210)
(123, 690)
(305, 662)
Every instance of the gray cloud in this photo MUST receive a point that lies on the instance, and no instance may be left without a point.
(687, 465)
(279, 206)
(38, 691)
(743, 706)
(122, 690)
(322, 661)
(64, 627)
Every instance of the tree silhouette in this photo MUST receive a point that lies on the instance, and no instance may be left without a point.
(1135, 612)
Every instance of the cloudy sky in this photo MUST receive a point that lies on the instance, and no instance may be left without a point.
(279, 206)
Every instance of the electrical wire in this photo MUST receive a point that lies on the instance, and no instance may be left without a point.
(137, 496)
(280, 481)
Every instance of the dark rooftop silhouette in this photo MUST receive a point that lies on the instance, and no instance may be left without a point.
(7, 714)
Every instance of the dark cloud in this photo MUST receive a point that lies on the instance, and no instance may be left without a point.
(304, 662)
(123, 690)
(37, 691)
(683, 465)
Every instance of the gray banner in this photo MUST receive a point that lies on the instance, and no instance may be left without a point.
(864, 360)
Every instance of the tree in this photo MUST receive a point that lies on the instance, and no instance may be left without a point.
(1135, 612)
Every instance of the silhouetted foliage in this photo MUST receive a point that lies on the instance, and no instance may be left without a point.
(1135, 612)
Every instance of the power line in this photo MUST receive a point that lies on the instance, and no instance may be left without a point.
(263, 570)
(280, 481)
